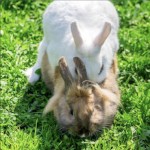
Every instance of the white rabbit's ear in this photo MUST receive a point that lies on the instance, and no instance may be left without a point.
(76, 34)
(100, 39)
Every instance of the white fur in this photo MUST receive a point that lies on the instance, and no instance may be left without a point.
(30, 72)
(90, 17)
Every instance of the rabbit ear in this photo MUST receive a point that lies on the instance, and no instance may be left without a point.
(76, 34)
(100, 39)
(65, 73)
(81, 70)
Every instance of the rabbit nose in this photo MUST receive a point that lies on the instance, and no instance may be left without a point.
(83, 132)
(62, 130)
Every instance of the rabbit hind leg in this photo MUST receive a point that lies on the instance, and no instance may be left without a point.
(30, 73)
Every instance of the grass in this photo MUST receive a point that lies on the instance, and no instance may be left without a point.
(22, 125)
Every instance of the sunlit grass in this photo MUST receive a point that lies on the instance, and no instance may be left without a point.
(22, 124)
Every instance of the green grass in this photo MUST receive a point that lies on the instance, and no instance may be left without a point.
(22, 124)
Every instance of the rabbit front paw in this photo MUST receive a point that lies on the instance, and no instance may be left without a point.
(31, 74)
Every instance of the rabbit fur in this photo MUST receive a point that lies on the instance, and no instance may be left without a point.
(74, 28)
(82, 110)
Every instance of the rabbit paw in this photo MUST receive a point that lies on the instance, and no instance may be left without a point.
(31, 74)
(89, 84)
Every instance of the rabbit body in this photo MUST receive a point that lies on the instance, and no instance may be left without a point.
(75, 29)
(82, 110)
(58, 41)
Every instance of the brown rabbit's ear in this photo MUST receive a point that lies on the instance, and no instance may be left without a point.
(81, 70)
(76, 34)
(100, 39)
(65, 72)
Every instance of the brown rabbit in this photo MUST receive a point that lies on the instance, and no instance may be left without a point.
(81, 106)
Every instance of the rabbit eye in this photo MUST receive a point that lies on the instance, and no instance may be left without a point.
(71, 112)
(101, 70)
(98, 107)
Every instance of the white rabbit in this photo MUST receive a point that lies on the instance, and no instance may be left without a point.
(86, 29)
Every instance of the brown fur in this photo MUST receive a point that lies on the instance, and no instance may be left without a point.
(93, 105)
(54, 82)
(46, 73)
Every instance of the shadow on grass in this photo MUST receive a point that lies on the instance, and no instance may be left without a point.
(31, 121)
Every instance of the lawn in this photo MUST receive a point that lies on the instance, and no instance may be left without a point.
(21, 122)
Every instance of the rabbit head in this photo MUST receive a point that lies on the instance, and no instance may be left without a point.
(87, 47)
(94, 49)
(82, 109)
